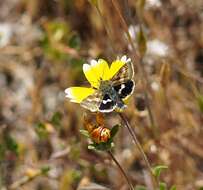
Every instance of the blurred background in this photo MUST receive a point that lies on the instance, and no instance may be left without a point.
(43, 45)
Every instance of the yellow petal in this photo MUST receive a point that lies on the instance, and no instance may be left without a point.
(102, 69)
(78, 94)
(116, 65)
(96, 71)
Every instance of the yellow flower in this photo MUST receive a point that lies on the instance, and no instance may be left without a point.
(103, 79)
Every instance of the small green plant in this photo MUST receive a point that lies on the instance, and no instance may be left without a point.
(102, 139)
(157, 170)
(30, 175)
(10, 144)
(59, 42)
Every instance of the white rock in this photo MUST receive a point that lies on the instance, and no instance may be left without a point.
(153, 3)
(157, 48)
(5, 34)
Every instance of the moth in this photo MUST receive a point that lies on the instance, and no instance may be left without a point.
(110, 86)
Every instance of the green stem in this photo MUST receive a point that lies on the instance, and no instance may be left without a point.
(107, 30)
(136, 56)
(137, 143)
(167, 103)
(121, 170)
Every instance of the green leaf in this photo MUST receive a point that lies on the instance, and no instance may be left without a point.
(162, 186)
(2, 151)
(45, 169)
(200, 102)
(114, 130)
(11, 144)
(75, 42)
(103, 146)
(58, 30)
(112, 145)
(85, 133)
(174, 187)
(56, 33)
(56, 119)
(141, 40)
(77, 62)
(76, 174)
(41, 131)
(141, 4)
(140, 187)
(158, 169)
(94, 2)
(91, 147)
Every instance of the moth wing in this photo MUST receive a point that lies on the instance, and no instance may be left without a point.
(124, 74)
(123, 82)
(93, 101)
(107, 104)
(125, 89)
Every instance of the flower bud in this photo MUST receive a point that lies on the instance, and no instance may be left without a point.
(100, 134)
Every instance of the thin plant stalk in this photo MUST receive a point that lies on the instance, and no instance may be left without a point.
(137, 143)
(106, 28)
(136, 56)
(24, 180)
(121, 170)
(145, 82)
(167, 103)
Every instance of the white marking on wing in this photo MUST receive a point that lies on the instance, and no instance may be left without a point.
(122, 87)
(106, 101)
